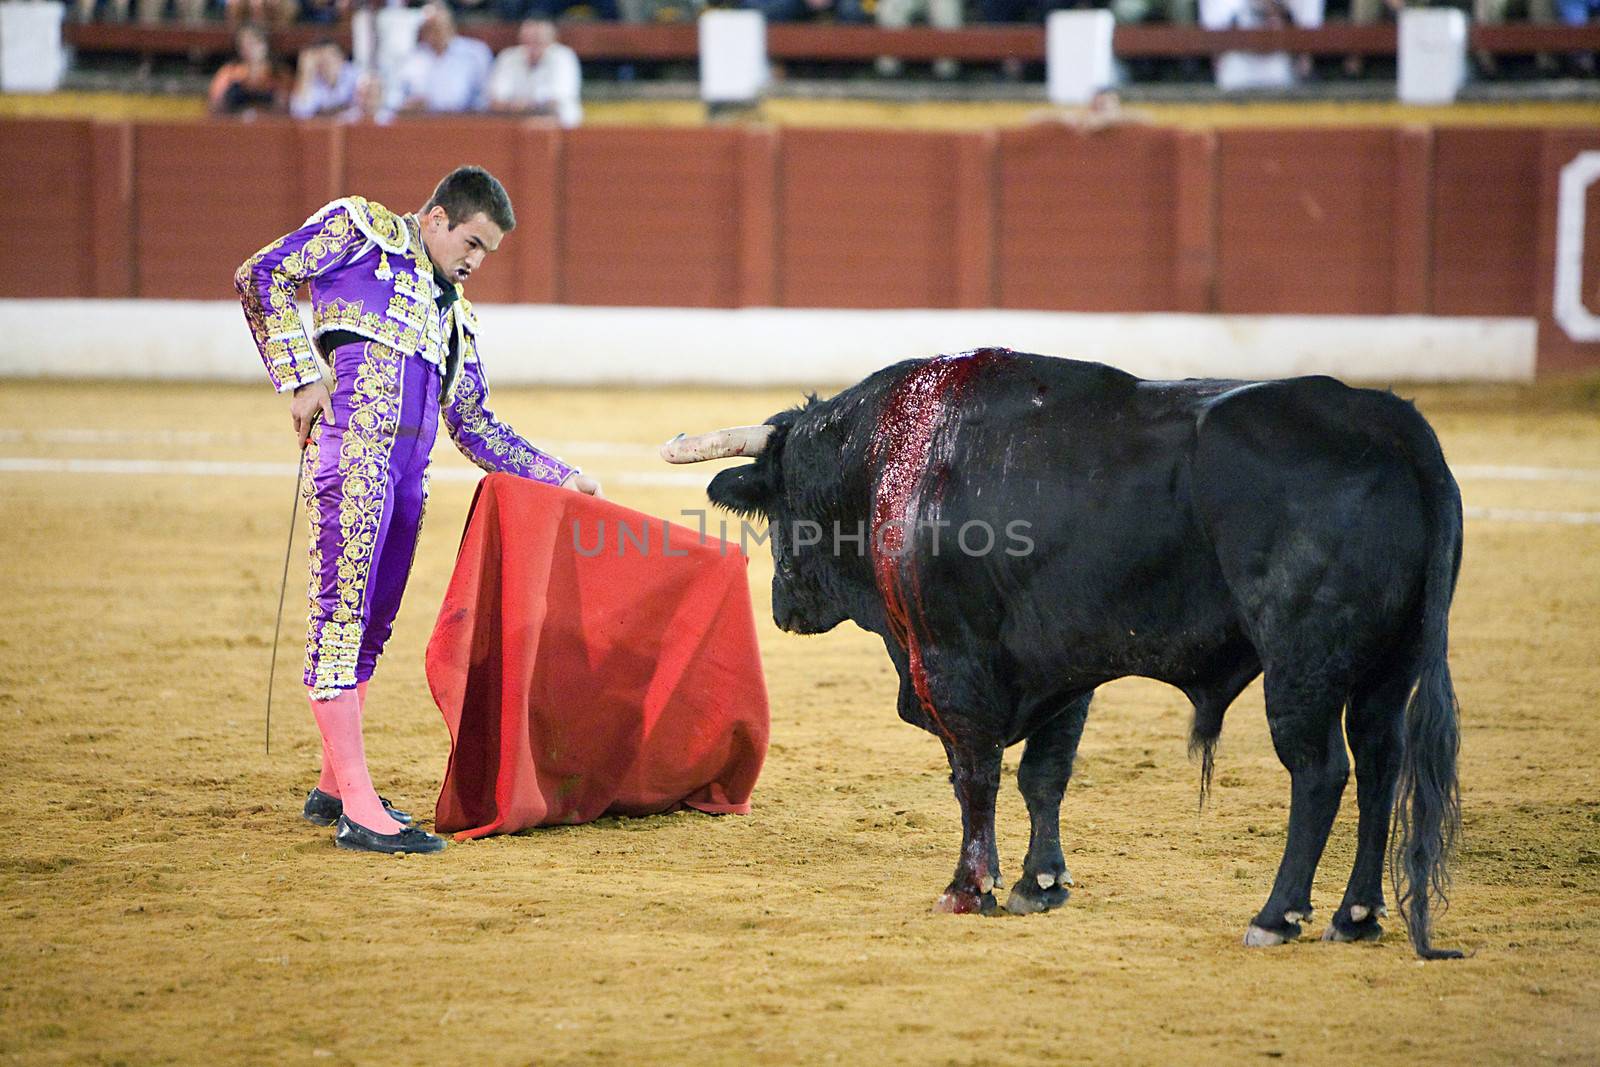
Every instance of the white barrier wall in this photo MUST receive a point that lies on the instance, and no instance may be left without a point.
(207, 341)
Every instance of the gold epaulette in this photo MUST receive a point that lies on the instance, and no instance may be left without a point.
(377, 223)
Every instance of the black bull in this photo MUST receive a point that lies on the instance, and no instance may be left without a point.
(1200, 533)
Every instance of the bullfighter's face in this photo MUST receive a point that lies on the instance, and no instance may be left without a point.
(458, 250)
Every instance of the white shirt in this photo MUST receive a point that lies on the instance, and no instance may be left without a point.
(454, 81)
(554, 83)
(320, 97)
(1255, 70)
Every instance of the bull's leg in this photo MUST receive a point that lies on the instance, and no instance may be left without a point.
(1310, 742)
(975, 773)
(1042, 779)
(1375, 719)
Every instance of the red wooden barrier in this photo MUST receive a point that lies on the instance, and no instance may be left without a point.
(1088, 221)
(875, 218)
(49, 208)
(1485, 241)
(205, 196)
(651, 217)
(1136, 218)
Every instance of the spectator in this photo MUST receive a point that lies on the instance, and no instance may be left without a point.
(1258, 70)
(251, 83)
(369, 104)
(325, 81)
(446, 72)
(538, 75)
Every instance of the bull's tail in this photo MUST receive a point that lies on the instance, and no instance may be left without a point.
(1203, 734)
(1427, 805)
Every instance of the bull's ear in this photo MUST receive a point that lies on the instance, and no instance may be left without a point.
(745, 490)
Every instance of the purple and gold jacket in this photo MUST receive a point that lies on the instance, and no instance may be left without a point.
(370, 275)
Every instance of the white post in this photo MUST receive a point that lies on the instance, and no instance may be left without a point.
(733, 56)
(31, 57)
(1078, 60)
(1433, 55)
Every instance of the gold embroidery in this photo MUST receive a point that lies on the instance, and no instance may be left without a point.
(314, 521)
(385, 228)
(497, 446)
(273, 318)
(365, 448)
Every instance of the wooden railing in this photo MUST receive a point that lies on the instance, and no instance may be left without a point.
(621, 41)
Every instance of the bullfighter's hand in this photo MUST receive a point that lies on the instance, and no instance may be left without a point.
(310, 400)
(581, 482)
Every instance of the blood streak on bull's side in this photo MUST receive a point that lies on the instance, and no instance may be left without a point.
(910, 481)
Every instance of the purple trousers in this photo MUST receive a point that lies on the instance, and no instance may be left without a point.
(366, 486)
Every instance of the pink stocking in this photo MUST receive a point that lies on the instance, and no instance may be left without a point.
(328, 782)
(339, 720)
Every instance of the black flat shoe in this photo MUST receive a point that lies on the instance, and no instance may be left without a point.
(324, 810)
(359, 839)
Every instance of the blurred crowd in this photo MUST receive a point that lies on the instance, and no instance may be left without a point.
(443, 73)
(886, 13)
(446, 71)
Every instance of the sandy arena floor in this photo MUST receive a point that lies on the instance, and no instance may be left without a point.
(162, 901)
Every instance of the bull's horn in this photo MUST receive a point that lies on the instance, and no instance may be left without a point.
(719, 444)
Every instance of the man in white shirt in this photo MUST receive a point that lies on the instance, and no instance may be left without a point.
(446, 72)
(538, 75)
(325, 81)
(1259, 70)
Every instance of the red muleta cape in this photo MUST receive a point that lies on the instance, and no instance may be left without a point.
(578, 683)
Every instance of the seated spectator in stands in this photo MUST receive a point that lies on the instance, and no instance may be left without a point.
(325, 81)
(538, 76)
(369, 104)
(518, 10)
(1259, 70)
(262, 12)
(446, 72)
(252, 82)
(801, 10)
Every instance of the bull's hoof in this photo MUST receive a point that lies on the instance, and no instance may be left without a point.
(1034, 893)
(965, 902)
(1260, 937)
(1355, 923)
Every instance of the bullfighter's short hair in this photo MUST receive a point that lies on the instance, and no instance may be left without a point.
(466, 191)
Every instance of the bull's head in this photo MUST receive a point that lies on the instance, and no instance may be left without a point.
(795, 489)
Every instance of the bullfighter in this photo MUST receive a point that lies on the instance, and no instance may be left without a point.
(400, 343)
